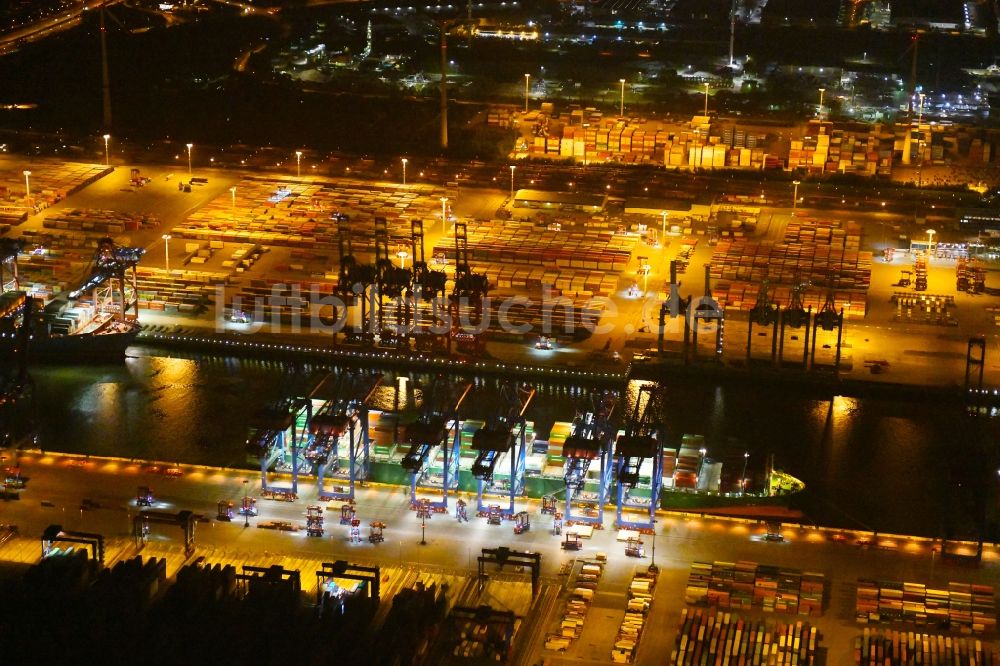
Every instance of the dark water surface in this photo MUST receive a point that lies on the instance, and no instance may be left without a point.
(918, 468)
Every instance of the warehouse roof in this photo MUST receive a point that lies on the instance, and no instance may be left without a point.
(560, 198)
(654, 206)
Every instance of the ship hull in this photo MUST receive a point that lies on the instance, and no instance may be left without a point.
(79, 349)
(536, 487)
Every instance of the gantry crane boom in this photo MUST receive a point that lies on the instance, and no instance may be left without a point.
(438, 425)
(592, 439)
(636, 445)
(503, 433)
(344, 413)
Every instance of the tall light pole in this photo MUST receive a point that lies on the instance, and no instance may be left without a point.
(246, 504)
(403, 256)
(621, 110)
(527, 88)
(107, 155)
(166, 252)
(27, 183)
(795, 196)
(743, 479)
(663, 233)
(706, 99)
(404, 171)
(232, 192)
(512, 167)
(189, 147)
(652, 568)
(920, 109)
(821, 92)
(930, 240)
(444, 213)
(298, 163)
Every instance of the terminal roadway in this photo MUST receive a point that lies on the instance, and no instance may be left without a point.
(57, 486)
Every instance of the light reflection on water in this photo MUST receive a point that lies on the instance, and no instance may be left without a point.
(891, 465)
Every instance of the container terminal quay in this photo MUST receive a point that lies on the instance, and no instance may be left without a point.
(373, 496)
(761, 283)
(523, 591)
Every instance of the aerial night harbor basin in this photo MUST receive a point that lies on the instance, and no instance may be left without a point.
(518, 332)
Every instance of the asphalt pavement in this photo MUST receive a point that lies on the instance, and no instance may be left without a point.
(57, 486)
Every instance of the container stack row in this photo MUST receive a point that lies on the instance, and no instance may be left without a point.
(577, 606)
(50, 182)
(499, 116)
(296, 213)
(586, 135)
(906, 648)
(510, 242)
(964, 607)
(554, 460)
(105, 222)
(824, 148)
(970, 275)
(924, 308)
(745, 585)
(742, 296)
(811, 230)
(183, 291)
(791, 263)
(640, 599)
(525, 258)
(709, 637)
(920, 273)
(553, 282)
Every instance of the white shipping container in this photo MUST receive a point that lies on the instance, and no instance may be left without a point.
(707, 155)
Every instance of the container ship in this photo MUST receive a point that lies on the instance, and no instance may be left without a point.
(684, 477)
(691, 478)
(88, 325)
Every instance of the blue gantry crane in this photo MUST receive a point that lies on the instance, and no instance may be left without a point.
(592, 438)
(277, 441)
(437, 426)
(635, 446)
(340, 423)
(504, 433)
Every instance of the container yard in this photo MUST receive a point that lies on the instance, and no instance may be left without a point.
(902, 648)
(820, 255)
(598, 602)
(260, 236)
(48, 182)
(589, 136)
(726, 637)
(297, 214)
(959, 606)
(752, 586)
